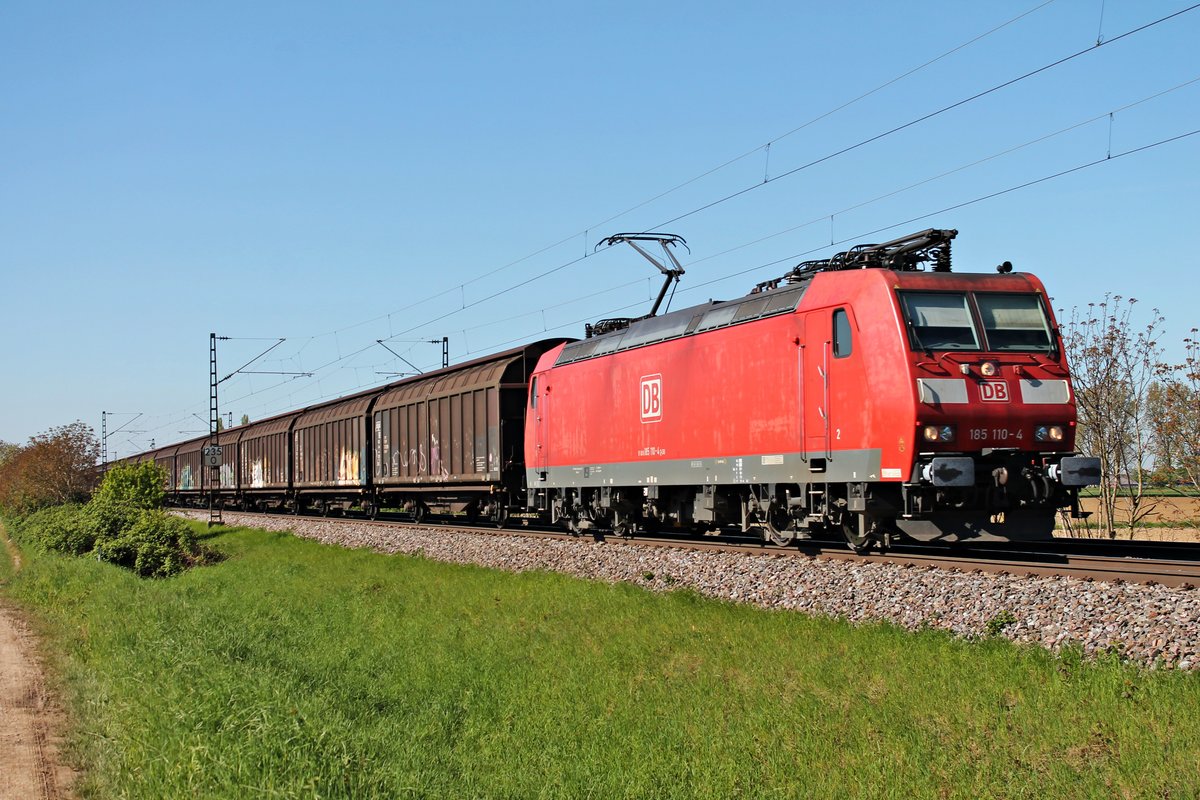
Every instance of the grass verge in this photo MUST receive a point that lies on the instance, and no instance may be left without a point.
(292, 669)
(8, 556)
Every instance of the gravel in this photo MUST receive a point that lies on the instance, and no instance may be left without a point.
(1156, 626)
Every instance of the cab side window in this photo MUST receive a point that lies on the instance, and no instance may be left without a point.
(843, 342)
(533, 393)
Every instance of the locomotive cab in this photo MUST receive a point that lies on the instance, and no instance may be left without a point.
(994, 411)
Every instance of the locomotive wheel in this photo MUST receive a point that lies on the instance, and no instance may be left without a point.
(500, 518)
(859, 530)
(572, 525)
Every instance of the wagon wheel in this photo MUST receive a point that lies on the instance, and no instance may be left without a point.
(419, 512)
(500, 518)
(370, 509)
(859, 530)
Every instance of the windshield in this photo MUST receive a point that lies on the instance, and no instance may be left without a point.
(1014, 321)
(939, 321)
(944, 321)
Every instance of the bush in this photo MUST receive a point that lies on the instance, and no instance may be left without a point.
(122, 524)
(156, 545)
(110, 519)
(63, 529)
(127, 490)
(134, 485)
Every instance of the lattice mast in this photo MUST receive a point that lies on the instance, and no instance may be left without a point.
(213, 470)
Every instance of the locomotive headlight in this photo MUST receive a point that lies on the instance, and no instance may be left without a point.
(989, 369)
(938, 433)
(1048, 433)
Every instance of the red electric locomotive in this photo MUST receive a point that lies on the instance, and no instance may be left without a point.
(863, 393)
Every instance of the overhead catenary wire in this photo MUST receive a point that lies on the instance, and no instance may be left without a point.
(465, 305)
(829, 156)
(865, 234)
(925, 117)
(892, 193)
(861, 204)
(1108, 157)
(729, 162)
(857, 237)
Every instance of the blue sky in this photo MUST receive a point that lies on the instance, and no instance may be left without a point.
(341, 173)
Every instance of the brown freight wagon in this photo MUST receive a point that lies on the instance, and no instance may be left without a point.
(230, 482)
(190, 479)
(453, 441)
(329, 453)
(165, 458)
(449, 441)
(264, 462)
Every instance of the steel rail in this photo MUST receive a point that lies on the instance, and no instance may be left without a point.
(1041, 559)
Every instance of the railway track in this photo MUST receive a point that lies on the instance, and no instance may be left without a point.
(1164, 563)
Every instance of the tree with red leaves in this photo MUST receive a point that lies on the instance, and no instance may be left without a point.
(55, 467)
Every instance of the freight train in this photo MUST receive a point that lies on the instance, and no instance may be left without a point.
(874, 395)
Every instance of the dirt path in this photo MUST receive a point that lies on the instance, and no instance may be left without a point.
(28, 762)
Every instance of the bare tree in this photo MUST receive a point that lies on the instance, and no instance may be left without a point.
(1113, 366)
(1175, 404)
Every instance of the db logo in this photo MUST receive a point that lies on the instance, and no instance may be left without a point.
(652, 398)
(994, 391)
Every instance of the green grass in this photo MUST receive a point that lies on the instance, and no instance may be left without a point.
(7, 568)
(292, 669)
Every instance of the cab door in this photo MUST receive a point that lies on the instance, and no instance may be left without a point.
(539, 400)
(814, 390)
(827, 373)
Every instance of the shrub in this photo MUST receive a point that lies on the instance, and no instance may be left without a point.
(109, 520)
(63, 529)
(134, 485)
(123, 524)
(131, 531)
(156, 545)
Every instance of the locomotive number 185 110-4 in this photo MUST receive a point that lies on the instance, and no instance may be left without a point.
(995, 434)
